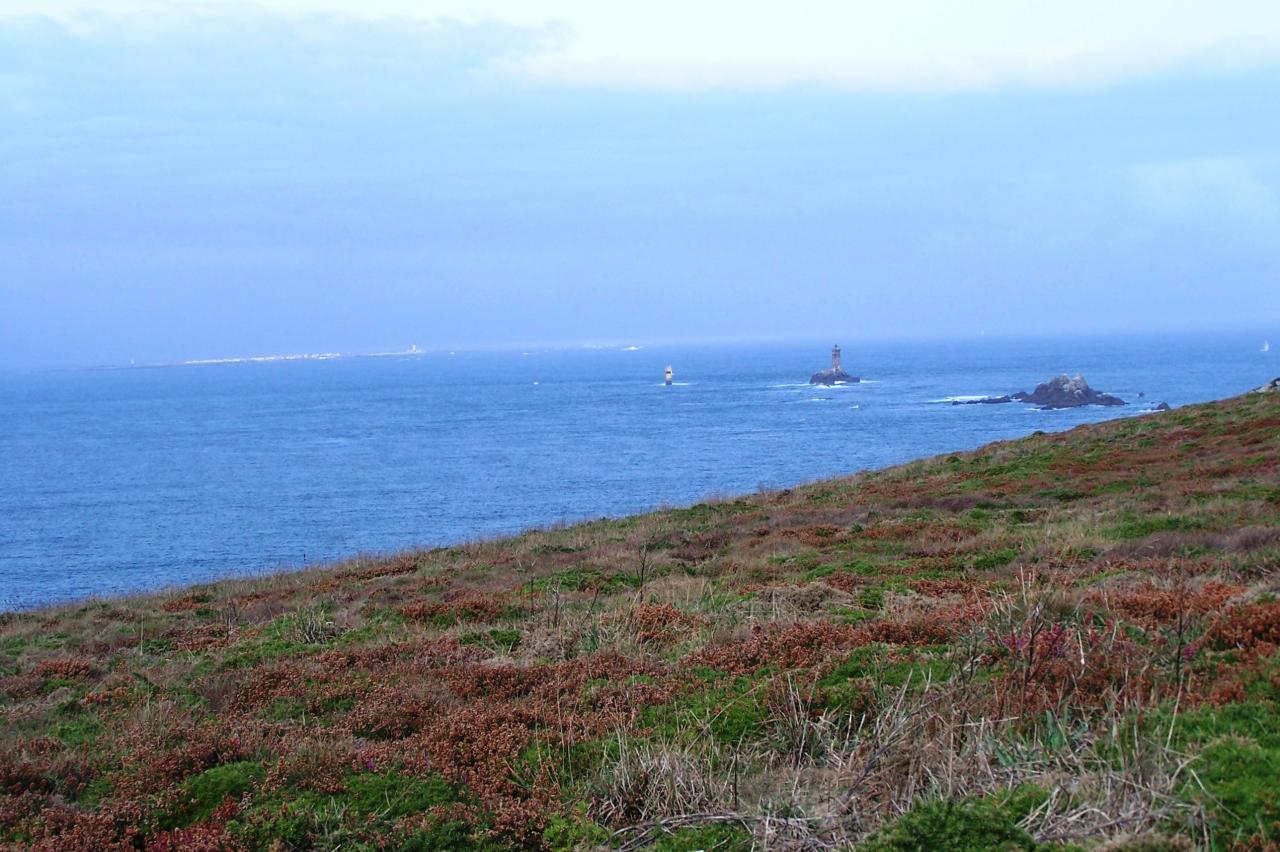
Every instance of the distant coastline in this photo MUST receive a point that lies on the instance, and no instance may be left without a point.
(261, 359)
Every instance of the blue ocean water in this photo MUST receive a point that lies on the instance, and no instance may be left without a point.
(121, 480)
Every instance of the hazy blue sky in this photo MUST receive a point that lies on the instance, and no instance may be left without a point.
(189, 180)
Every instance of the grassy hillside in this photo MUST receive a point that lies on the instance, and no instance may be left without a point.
(1062, 640)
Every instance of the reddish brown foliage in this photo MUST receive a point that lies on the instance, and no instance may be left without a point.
(921, 631)
(470, 680)
(700, 547)
(1227, 684)
(392, 568)
(203, 638)
(20, 687)
(417, 656)
(815, 535)
(66, 668)
(197, 838)
(20, 775)
(476, 745)
(156, 753)
(313, 762)
(63, 828)
(892, 530)
(939, 588)
(660, 624)
(1254, 629)
(845, 581)
(935, 627)
(1048, 665)
(387, 713)
(1150, 604)
(466, 607)
(803, 643)
(184, 603)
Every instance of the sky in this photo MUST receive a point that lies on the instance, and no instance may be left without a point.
(183, 180)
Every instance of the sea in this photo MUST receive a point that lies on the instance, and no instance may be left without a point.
(123, 480)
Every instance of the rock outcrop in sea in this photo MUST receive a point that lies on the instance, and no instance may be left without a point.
(1272, 386)
(1067, 392)
(1060, 392)
(833, 376)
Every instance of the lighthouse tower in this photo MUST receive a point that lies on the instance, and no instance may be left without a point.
(835, 374)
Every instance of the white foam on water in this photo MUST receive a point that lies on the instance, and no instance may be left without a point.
(264, 359)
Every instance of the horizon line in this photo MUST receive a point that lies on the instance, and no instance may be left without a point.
(630, 344)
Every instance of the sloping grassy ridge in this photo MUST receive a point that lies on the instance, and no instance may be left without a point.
(1062, 641)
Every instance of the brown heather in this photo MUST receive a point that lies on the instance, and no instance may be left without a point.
(1070, 639)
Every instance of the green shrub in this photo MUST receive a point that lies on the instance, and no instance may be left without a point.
(872, 597)
(579, 579)
(801, 560)
(289, 819)
(439, 834)
(501, 639)
(204, 793)
(574, 830)
(1243, 776)
(720, 837)
(845, 615)
(956, 826)
(732, 712)
(1141, 526)
(371, 801)
(866, 669)
(393, 795)
(94, 792)
(999, 558)
(1237, 765)
(822, 571)
(78, 731)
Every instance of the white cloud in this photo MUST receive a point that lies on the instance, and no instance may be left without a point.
(752, 43)
(239, 61)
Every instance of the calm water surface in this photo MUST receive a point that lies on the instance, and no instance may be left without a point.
(120, 480)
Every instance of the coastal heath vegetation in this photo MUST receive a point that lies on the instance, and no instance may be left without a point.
(1064, 641)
